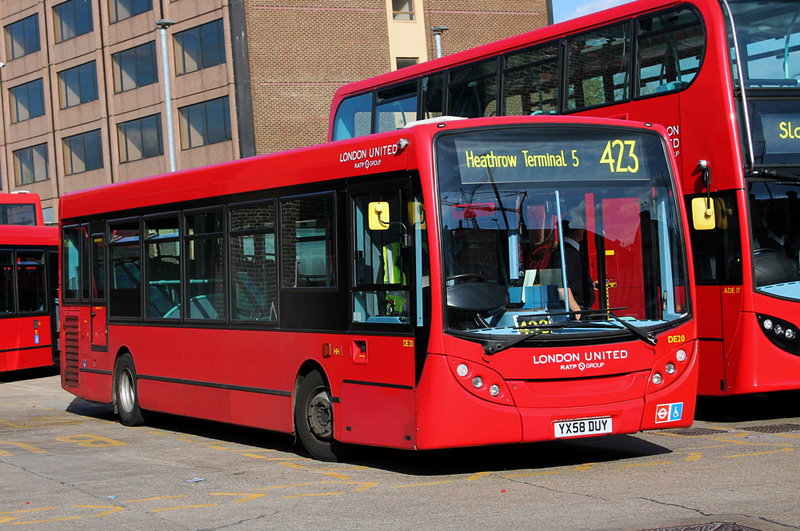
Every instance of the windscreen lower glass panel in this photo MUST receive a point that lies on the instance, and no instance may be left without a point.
(775, 233)
(559, 230)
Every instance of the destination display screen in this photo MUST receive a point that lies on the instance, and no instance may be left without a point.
(781, 133)
(553, 154)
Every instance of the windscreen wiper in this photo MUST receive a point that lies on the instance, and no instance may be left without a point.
(644, 335)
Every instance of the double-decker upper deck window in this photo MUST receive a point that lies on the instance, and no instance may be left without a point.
(140, 138)
(598, 67)
(395, 107)
(205, 123)
(27, 101)
(22, 37)
(353, 117)
(669, 52)
(83, 152)
(530, 81)
(122, 9)
(200, 47)
(78, 85)
(31, 164)
(308, 242)
(73, 18)
(472, 90)
(403, 9)
(135, 67)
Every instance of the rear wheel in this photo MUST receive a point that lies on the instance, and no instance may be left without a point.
(127, 395)
(313, 417)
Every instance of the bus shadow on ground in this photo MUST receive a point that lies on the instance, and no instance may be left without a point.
(744, 408)
(28, 374)
(422, 463)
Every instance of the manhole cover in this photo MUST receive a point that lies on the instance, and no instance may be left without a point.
(713, 526)
(694, 432)
(773, 428)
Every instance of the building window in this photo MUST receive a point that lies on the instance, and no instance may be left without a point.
(122, 9)
(205, 123)
(199, 47)
(73, 18)
(27, 101)
(82, 153)
(403, 62)
(22, 37)
(403, 9)
(30, 165)
(140, 138)
(135, 67)
(77, 85)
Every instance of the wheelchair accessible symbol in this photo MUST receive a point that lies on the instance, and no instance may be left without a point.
(669, 412)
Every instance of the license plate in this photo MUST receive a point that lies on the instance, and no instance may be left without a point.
(581, 427)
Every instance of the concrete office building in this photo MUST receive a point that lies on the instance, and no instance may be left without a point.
(83, 84)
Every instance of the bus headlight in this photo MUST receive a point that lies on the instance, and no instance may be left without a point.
(481, 381)
(781, 333)
(680, 355)
(670, 368)
(657, 378)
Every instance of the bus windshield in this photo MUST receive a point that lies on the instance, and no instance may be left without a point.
(529, 211)
(768, 34)
(775, 218)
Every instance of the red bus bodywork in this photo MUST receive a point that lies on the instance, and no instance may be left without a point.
(389, 388)
(28, 324)
(739, 353)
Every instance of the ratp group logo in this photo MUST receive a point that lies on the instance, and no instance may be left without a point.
(669, 412)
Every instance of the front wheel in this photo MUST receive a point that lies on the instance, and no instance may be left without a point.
(126, 392)
(313, 418)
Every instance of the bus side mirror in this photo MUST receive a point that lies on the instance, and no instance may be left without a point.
(379, 215)
(703, 215)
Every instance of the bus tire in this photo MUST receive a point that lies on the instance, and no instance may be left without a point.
(313, 418)
(126, 392)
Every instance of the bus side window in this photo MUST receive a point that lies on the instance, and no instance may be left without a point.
(353, 117)
(472, 90)
(598, 70)
(432, 96)
(670, 47)
(395, 107)
(530, 81)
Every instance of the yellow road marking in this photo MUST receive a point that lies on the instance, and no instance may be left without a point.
(248, 496)
(422, 484)
(585, 466)
(479, 475)
(646, 464)
(312, 495)
(694, 456)
(761, 453)
(532, 474)
(183, 507)
(159, 498)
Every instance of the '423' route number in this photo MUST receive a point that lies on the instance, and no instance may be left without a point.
(620, 156)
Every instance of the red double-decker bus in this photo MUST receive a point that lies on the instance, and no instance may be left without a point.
(29, 293)
(722, 77)
(410, 289)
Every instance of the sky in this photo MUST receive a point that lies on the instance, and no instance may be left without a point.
(569, 9)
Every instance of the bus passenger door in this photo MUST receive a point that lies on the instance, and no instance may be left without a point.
(378, 371)
(95, 283)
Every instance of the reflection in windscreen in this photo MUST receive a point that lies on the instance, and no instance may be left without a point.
(516, 234)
